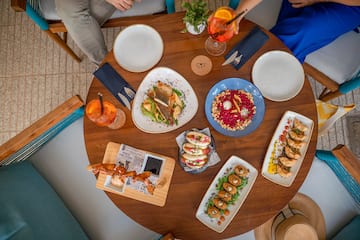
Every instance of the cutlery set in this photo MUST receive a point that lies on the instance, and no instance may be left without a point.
(116, 84)
(130, 93)
(234, 58)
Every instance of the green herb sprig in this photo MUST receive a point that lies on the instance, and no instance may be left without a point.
(196, 13)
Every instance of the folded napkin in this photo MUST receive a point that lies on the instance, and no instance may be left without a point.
(248, 46)
(113, 81)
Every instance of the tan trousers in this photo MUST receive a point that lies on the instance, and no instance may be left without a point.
(83, 20)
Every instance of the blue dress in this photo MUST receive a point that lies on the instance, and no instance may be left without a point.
(304, 30)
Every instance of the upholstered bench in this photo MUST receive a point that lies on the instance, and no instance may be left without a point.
(335, 202)
(31, 209)
(63, 163)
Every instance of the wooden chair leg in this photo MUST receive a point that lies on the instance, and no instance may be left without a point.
(320, 77)
(330, 95)
(62, 44)
(324, 92)
(65, 36)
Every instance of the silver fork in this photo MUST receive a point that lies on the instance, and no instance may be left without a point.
(238, 59)
(129, 92)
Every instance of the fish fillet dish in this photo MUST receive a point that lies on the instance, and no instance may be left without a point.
(233, 109)
(163, 104)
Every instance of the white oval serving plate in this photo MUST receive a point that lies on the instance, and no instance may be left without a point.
(175, 80)
(228, 167)
(275, 149)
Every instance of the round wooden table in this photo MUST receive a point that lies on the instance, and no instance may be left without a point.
(186, 190)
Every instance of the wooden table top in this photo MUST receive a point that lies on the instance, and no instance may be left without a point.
(186, 190)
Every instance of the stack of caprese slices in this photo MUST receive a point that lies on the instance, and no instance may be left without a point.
(196, 149)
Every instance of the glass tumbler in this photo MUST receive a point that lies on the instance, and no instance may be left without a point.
(106, 115)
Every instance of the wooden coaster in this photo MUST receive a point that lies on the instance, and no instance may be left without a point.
(201, 65)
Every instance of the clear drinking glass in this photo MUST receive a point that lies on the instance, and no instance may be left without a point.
(105, 114)
(220, 30)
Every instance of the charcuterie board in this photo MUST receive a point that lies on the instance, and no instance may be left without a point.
(122, 153)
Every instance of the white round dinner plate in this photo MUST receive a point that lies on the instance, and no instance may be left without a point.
(138, 48)
(278, 75)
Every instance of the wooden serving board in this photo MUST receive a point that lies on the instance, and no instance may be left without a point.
(158, 198)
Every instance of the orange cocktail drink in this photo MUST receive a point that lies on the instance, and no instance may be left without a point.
(221, 29)
(108, 115)
(218, 28)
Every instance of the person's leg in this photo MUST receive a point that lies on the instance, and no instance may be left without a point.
(313, 27)
(287, 11)
(83, 19)
(101, 10)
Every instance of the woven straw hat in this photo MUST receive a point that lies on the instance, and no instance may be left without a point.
(301, 219)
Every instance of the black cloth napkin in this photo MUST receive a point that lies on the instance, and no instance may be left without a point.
(248, 46)
(113, 81)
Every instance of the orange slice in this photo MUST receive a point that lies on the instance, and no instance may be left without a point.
(223, 14)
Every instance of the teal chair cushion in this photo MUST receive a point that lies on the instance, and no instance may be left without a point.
(346, 179)
(31, 209)
(351, 231)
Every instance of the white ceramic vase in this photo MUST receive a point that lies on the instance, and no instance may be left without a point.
(191, 29)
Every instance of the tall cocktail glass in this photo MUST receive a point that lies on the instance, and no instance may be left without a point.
(220, 30)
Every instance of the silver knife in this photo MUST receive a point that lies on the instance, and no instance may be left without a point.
(129, 92)
(124, 100)
(230, 59)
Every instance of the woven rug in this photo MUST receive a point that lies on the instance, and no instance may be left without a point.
(36, 76)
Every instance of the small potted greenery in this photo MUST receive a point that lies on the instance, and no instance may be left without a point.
(196, 16)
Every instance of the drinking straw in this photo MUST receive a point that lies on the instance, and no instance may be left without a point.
(236, 17)
(221, 32)
(101, 103)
